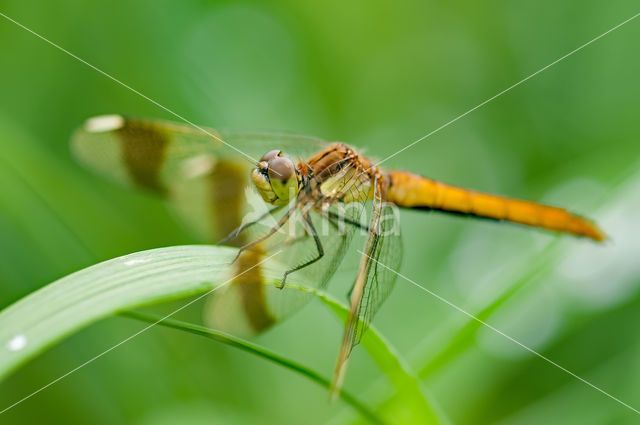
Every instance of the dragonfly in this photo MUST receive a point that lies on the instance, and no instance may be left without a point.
(309, 198)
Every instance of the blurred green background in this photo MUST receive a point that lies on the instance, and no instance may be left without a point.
(378, 75)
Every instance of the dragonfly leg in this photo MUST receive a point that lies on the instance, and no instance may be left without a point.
(333, 217)
(319, 247)
(245, 226)
(271, 231)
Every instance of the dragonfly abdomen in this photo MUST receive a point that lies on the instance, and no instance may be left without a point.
(413, 191)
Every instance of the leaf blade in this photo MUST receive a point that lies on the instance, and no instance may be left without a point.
(44, 317)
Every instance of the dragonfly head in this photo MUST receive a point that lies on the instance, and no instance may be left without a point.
(276, 178)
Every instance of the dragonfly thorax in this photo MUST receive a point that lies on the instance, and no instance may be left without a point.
(276, 178)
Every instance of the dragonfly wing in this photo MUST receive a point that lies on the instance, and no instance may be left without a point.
(375, 280)
(203, 178)
(385, 255)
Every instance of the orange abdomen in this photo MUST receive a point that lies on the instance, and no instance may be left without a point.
(413, 191)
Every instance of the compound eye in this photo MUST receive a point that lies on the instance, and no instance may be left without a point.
(271, 155)
(283, 178)
(281, 168)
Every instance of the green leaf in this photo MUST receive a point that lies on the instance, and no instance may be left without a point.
(55, 311)
(44, 317)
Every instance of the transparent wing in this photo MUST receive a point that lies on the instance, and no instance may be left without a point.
(381, 254)
(203, 179)
(384, 255)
